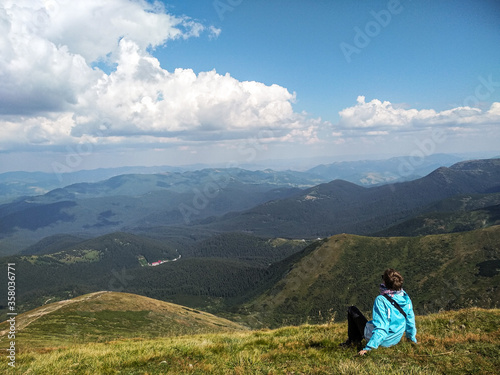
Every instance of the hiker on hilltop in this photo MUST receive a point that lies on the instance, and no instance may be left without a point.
(391, 317)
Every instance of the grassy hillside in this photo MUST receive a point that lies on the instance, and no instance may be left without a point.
(446, 271)
(105, 316)
(453, 342)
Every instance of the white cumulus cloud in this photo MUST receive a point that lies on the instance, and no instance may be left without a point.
(141, 98)
(52, 93)
(380, 117)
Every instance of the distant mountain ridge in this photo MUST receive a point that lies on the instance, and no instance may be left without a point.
(139, 184)
(17, 184)
(267, 203)
(377, 172)
(129, 201)
(364, 172)
(343, 207)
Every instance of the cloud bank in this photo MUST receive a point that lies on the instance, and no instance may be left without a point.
(53, 92)
(376, 118)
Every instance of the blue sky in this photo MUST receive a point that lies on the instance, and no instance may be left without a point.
(236, 82)
(429, 55)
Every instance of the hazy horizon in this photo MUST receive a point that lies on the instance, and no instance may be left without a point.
(298, 164)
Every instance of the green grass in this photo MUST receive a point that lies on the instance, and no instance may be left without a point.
(454, 342)
(142, 261)
(107, 316)
(448, 271)
(66, 257)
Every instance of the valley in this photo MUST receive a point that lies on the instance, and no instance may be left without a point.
(116, 259)
(98, 236)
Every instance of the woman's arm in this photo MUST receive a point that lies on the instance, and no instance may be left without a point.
(411, 328)
(380, 322)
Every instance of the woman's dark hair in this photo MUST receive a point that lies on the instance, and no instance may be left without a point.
(392, 279)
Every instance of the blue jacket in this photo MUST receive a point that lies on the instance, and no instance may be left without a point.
(389, 323)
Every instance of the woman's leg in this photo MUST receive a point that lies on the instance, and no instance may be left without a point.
(356, 323)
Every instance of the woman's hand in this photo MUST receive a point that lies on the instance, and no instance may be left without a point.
(363, 352)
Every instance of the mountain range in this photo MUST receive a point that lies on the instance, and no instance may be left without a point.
(127, 201)
(268, 203)
(260, 247)
(364, 172)
(343, 207)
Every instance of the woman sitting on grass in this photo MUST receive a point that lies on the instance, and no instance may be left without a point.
(391, 317)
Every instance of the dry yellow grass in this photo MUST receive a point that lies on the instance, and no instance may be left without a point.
(454, 342)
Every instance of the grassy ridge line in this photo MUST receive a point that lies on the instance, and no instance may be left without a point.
(452, 342)
(107, 316)
(24, 320)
